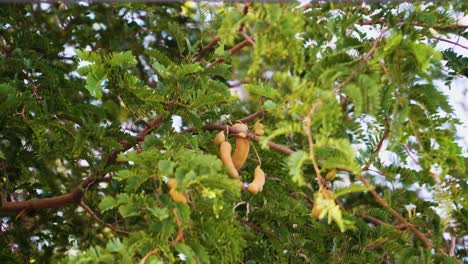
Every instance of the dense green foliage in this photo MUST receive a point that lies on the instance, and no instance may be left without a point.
(348, 88)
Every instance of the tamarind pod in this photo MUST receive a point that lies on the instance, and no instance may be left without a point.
(178, 197)
(331, 175)
(316, 211)
(172, 183)
(241, 127)
(253, 188)
(242, 146)
(259, 180)
(241, 152)
(225, 154)
(328, 194)
(241, 135)
(220, 138)
(259, 176)
(241, 185)
(259, 128)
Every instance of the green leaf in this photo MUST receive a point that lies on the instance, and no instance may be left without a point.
(263, 90)
(94, 80)
(159, 213)
(128, 210)
(269, 105)
(295, 162)
(160, 69)
(107, 203)
(186, 69)
(208, 100)
(166, 167)
(219, 51)
(353, 188)
(186, 251)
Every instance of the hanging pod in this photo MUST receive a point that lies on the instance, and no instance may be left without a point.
(259, 180)
(242, 146)
(225, 154)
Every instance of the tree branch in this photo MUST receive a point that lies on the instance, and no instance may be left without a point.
(75, 196)
(251, 136)
(415, 23)
(232, 51)
(452, 42)
(361, 65)
(94, 215)
(149, 254)
(252, 116)
(180, 230)
(204, 49)
(307, 125)
(376, 152)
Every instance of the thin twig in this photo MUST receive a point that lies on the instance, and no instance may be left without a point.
(361, 65)
(452, 42)
(232, 51)
(235, 131)
(453, 243)
(307, 125)
(180, 230)
(252, 116)
(149, 254)
(398, 216)
(410, 154)
(94, 215)
(204, 49)
(416, 23)
(376, 152)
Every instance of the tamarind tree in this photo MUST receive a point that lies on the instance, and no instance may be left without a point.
(108, 114)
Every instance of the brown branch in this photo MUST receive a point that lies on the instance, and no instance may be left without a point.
(232, 51)
(453, 243)
(204, 49)
(452, 42)
(373, 220)
(251, 136)
(361, 65)
(70, 198)
(94, 215)
(180, 230)
(307, 125)
(252, 116)
(376, 152)
(415, 23)
(75, 196)
(398, 216)
(149, 254)
(256, 228)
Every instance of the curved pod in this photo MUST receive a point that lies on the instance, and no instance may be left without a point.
(258, 182)
(242, 146)
(225, 154)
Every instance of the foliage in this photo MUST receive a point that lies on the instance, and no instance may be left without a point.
(344, 87)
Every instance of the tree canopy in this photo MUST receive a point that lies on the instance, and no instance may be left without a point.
(108, 114)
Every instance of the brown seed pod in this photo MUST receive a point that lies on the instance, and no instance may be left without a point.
(242, 128)
(225, 154)
(259, 128)
(178, 197)
(242, 147)
(316, 210)
(220, 138)
(241, 185)
(259, 180)
(328, 194)
(172, 183)
(331, 175)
